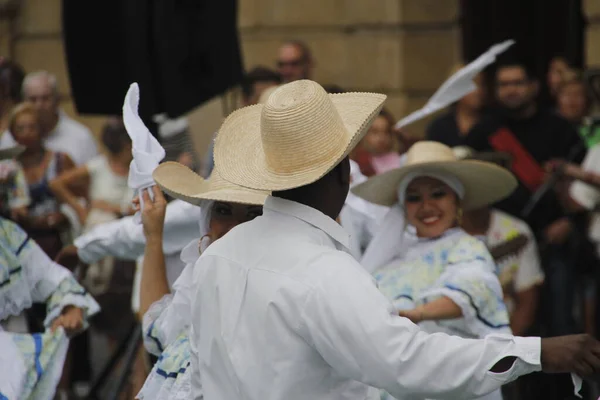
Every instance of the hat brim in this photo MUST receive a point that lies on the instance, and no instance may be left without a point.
(241, 159)
(11, 152)
(484, 183)
(182, 183)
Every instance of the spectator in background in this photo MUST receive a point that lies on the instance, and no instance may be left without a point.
(11, 80)
(573, 104)
(14, 191)
(295, 61)
(255, 82)
(44, 221)
(61, 133)
(533, 137)
(377, 152)
(557, 70)
(452, 128)
(109, 196)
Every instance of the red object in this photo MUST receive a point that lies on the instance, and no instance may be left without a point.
(524, 166)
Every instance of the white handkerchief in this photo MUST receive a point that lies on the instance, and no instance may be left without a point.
(147, 152)
(457, 86)
(577, 382)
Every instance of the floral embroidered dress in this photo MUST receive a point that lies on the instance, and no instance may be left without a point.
(166, 328)
(459, 267)
(31, 364)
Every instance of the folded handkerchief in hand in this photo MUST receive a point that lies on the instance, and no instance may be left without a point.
(147, 152)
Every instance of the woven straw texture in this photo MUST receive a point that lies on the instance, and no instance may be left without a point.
(182, 183)
(299, 135)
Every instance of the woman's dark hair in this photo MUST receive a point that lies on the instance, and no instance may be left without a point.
(114, 135)
(255, 75)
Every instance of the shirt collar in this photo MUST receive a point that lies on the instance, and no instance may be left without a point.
(310, 216)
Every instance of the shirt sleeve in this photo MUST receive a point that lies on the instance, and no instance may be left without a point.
(124, 238)
(48, 282)
(94, 166)
(167, 318)
(587, 195)
(529, 272)
(349, 322)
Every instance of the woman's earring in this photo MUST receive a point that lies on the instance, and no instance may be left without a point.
(200, 246)
(459, 216)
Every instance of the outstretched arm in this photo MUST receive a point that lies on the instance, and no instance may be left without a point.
(353, 327)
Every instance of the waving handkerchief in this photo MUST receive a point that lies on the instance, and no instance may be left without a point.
(457, 86)
(147, 152)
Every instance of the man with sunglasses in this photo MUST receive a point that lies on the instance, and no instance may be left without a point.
(295, 61)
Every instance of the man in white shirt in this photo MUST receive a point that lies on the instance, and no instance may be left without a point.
(282, 311)
(63, 133)
(124, 239)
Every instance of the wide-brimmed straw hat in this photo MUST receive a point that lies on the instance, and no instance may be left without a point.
(8, 153)
(484, 183)
(182, 183)
(294, 139)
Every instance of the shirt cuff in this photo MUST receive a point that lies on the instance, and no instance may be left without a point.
(528, 351)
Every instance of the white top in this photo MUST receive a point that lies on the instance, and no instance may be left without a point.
(359, 217)
(282, 311)
(69, 136)
(124, 238)
(523, 271)
(589, 196)
(105, 184)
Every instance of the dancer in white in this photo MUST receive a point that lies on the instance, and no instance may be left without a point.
(282, 311)
(31, 364)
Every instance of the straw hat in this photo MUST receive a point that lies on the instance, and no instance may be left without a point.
(294, 139)
(180, 182)
(8, 153)
(264, 96)
(484, 182)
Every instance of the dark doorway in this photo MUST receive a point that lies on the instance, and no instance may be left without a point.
(542, 29)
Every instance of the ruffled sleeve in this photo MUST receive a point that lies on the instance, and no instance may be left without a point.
(45, 280)
(167, 318)
(470, 280)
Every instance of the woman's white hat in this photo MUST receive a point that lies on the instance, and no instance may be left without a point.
(295, 138)
(484, 183)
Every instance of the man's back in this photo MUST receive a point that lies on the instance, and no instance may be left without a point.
(280, 313)
(257, 279)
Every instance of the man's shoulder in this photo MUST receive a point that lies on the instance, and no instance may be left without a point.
(73, 127)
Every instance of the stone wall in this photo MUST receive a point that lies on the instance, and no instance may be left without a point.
(591, 10)
(403, 48)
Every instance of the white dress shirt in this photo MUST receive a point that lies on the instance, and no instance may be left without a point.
(282, 311)
(589, 196)
(124, 238)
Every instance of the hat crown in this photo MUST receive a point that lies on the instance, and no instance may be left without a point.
(297, 117)
(428, 152)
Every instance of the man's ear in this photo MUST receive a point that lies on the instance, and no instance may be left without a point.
(343, 170)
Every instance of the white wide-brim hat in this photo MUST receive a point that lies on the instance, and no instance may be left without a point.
(8, 153)
(484, 183)
(295, 138)
(182, 183)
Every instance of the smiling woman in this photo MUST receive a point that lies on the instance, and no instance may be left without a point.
(446, 281)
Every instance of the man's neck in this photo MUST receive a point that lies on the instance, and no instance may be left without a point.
(309, 201)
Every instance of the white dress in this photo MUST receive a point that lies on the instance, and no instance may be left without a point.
(31, 364)
(457, 266)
